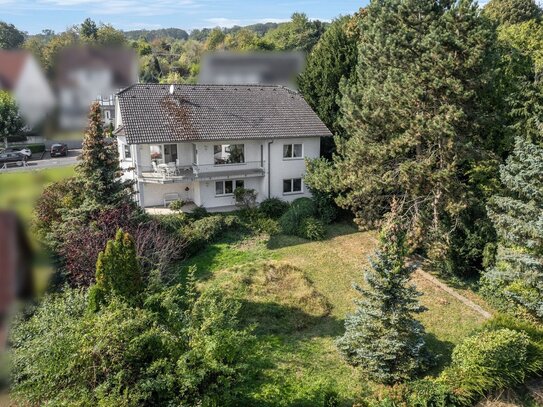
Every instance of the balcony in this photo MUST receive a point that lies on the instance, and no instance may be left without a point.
(167, 173)
(215, 171)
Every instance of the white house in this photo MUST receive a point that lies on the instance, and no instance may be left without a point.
(198, 143)
(86, 74)
(23, 77)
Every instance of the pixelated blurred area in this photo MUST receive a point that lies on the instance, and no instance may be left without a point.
(16, 262)
(251, 68)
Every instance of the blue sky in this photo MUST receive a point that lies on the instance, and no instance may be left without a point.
(34, 15)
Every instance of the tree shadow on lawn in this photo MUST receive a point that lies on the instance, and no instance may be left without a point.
(284, 335)
(441, 352)
(333, 230)
(270, 318)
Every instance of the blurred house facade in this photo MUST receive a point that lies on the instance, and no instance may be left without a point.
(86, 74)
(22, 76)
(257, 68)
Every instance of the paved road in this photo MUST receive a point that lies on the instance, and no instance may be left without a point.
(47, 162)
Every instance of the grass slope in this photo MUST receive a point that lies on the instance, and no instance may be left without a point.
(19, 190)
(297, 293)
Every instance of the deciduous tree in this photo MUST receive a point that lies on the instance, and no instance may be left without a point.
(10, 120)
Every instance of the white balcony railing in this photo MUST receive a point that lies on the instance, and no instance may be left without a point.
(172, 172)
(209, 170)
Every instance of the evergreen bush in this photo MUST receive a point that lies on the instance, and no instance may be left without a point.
(199, 212)
(117, 272)
(292, 219)
(484, 362)
(312, 229)
(273, 207)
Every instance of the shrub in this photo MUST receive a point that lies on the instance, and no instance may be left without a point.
(199, 212)
(312, 229)
(291, 222)
(262, 224)
(17, 138)
(273, 207)
(81, 241)
(36, 148)
(117, 272)
(305, 207)
(245, 198)
(175, 350)
(202, 231)
(487, 361)
(176, 205)
(326, 208)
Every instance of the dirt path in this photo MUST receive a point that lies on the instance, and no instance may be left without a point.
(466, 301)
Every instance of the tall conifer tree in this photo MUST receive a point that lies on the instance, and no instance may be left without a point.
(416, 119)
(99, 169)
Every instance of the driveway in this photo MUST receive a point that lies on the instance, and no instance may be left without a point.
(47, 162)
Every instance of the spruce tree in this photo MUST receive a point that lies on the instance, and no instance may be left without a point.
(99, 169)
(117, 272)
(516, 279)
(382, 336)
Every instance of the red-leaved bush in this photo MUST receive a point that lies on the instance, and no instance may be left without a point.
(156, 247)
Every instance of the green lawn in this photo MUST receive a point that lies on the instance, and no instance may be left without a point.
(297, 293)
(19, 190)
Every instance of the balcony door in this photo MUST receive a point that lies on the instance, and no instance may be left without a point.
(170, 153)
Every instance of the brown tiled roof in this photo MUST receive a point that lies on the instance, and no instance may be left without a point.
(11, 66)
(215, 112)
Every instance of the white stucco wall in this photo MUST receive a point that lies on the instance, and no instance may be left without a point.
(281, 168)
(33, 94)
(202, 191)
(208, 198)
(153, 194)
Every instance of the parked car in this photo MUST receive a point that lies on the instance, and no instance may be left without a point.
(59, 150)
(22, 150)
(12, 157)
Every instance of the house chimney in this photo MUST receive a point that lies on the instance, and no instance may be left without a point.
(171, 89)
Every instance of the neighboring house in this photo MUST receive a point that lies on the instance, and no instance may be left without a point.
(86, 74)
(257, 68)
(22, 76)
(200, 142)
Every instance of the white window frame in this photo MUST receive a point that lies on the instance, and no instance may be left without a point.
(126, 148)
(292, 192)
(292, 150)
(234, 182)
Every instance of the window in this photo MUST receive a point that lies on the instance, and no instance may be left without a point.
(127, 153)
(292, 151)
(170, 153)
(156, 153)
(223, 188)
(108, 115)
(229, 154)
(291, 186)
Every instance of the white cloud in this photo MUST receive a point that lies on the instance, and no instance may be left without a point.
(223, 22)
(115, 7)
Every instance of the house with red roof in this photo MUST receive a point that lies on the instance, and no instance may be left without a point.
(22, 76)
